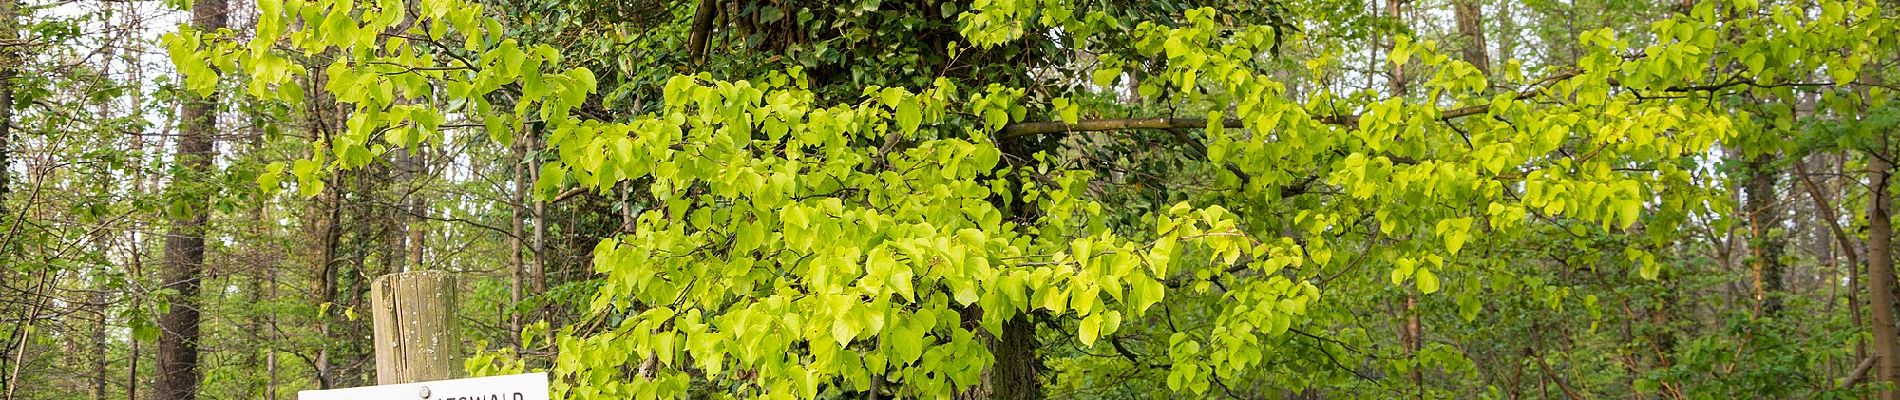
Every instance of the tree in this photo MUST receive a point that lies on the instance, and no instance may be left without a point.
(997, 199)
(1880, 275)
(177, 360)
(751, 172)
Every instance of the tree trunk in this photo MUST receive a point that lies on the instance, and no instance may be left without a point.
(9, 69)
(1880, 275)
(1412, 329)
(136, 273)
(178, 373)
(99, 302)
(517, 267)
(537, 275)
(1470, 16)
(322, 219)
(1395, 73)
(409, 211)
(1015, 375)
(1766, 247)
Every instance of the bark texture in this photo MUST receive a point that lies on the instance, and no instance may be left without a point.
(1880, 276)
(178, 373)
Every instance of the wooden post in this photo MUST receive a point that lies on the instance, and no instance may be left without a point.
(414, 315)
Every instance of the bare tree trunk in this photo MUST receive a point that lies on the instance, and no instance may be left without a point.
(408, 212)
(701, 34)
(1470, 16)
(1880, 275)
(99, 301)
(518, 267)
(10, 62)
(100, 297)
(537, 276)
(9, 69)
(178, 373)
(1414, 330)
(270, 355)
(324, 228)
(132, 372)
(136, 103)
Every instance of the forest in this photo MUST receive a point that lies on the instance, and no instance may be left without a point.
(958, 199)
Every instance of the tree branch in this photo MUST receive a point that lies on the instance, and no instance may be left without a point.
(1348, 120)
(702, 30)
(1097, 125)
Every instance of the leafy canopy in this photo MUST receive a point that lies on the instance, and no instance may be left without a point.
(808, 248)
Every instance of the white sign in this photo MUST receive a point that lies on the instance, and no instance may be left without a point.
(531, 386)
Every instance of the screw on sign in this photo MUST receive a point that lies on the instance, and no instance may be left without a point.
(531, 386)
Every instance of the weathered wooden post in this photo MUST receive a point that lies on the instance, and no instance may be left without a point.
(417, 355)
(414, 315)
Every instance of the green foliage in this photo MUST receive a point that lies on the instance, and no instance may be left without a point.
(809, 241)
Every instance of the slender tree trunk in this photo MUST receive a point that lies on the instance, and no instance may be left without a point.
(99, 302)
(178, 373)
(701, 34)
(100, 295)
(1470, 16)
(132, 372)
(1766, 247)
(408, 212)
(418, 211)
(517, 267)
(1395, 73)
(9, 69)
(1880, 274)
(322, 226)
(537, 276)
(10, 62)
(270, 353)
(1412, 330)
(135, 101)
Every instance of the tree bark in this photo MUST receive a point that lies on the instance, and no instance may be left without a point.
(409, 210)
(99, 302)
(1013, 375)
(323, 218)
(517, 265)
(1470, 16)
(178, 373)
(701, 34)
(537, 275)
(9, 69)
(1765, 246)
(1880, 274)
